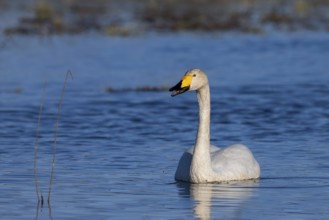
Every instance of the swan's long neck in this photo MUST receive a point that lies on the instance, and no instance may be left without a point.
(203, 136)
(201, 163)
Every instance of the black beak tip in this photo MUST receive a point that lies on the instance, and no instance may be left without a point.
(175, 89)
(178, 91)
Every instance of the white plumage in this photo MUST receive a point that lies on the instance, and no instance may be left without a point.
(206, 163)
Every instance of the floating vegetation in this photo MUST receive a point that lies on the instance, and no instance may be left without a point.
(58, 17)
(238, 15)
(128, 17)
(139, 89)
(45, 21)
(14, 90)
(196, 15)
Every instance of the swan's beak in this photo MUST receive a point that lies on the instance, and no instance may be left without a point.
(182, 86)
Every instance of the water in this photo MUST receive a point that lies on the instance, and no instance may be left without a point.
(117, 152)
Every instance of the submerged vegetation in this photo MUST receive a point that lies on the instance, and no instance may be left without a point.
(126, 17)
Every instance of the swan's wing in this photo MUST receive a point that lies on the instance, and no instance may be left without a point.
(235, 161)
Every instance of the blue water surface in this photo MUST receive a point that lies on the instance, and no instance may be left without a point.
(118, 148)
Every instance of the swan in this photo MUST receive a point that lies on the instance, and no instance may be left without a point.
(205, 163)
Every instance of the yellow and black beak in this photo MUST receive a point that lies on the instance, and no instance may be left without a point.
(182, 86)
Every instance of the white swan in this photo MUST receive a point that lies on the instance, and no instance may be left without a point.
(206, 163)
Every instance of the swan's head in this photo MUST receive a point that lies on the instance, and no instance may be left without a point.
(193, 80)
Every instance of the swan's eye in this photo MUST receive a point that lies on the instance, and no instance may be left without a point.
(194, 75)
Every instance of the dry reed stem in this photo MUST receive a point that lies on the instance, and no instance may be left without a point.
(37, 140)
(56, 132)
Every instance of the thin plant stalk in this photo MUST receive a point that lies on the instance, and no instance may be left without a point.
(37, 140)
(56, 132)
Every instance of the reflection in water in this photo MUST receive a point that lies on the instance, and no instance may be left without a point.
(39, 210)
(228, 197)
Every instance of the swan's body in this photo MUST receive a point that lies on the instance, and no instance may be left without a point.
(205, 163)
